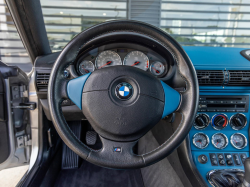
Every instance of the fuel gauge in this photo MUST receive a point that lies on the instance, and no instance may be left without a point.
(157, 68)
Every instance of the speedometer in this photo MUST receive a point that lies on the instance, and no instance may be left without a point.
(107, 59)
(137, 59)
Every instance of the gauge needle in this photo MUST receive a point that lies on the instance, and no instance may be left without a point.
(198, 141)
(109, 62)
(157, 71)
(136, 63)
(85, 69)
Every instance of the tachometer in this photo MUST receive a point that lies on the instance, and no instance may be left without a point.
(219, 141)
(86, 67)
(107, 59)
(200, 140)
(239, 141)
(137, 59)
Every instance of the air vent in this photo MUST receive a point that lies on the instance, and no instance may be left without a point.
(210, 78)
(42, 81)
(239, 78)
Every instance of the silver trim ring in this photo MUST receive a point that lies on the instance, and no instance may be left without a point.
(231, 141)
(225, 139)
(242, 126)
(207, 138)
(196, 127)
(213, 118)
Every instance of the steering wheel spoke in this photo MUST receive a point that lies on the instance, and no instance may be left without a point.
(117, 154)
(172, 100)
(75, 87)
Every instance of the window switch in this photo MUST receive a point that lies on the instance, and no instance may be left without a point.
(213, 159)
(236, 159)
(243, 157)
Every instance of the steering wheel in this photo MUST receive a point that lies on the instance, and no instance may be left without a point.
(123, 103)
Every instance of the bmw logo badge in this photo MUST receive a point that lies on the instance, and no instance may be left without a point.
(124, 91)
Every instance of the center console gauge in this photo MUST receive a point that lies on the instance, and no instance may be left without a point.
(201, 121)
(157, 68)
(107, 59)
(136, 59)
(86, 67)
(238, 140)
(238, 121)
(200, 140)
(219, 121)
(219, 140)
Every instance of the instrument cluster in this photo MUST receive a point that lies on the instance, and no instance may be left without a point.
(129, 55)
(218, 122)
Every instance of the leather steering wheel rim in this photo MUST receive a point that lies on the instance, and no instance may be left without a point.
(57, 92)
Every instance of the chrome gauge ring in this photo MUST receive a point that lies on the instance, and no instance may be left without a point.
(200, 140)
(219, 140)
(238, 141)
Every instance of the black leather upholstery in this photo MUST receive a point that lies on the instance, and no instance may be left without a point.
(105, 158)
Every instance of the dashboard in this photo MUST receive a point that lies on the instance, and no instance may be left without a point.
(219, 138)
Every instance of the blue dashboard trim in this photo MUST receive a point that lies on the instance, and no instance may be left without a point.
(172, 99)
(217, 57)
(74, 89)
(209, 131)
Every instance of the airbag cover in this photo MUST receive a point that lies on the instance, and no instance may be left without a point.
(117, 119)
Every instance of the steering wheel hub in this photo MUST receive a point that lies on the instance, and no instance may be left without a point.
(122, 103)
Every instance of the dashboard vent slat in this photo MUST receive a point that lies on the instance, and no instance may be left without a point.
(239, 78)
(42, 81)
(210, 78)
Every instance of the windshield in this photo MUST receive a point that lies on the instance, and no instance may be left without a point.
(216, 23)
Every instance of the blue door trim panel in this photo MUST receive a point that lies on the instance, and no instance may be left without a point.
(172, 99)
(74, 89)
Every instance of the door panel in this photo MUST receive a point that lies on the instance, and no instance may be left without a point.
(4, 138)
(15, 134)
